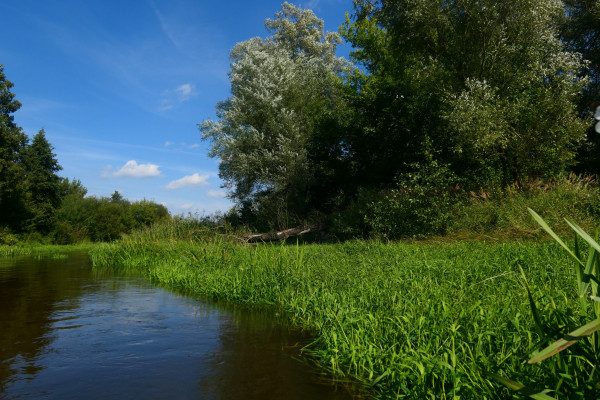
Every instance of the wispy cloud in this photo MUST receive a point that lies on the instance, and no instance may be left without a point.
(168, 143)
(180, 94)
(190, 180)
(218, 194)
(184, 92)
(187, 206)
(132, 169)
(312, 4)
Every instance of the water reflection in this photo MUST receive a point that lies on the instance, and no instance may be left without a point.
(68, 332)
(244, 368)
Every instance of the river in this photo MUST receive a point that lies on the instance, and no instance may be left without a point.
(68, 331)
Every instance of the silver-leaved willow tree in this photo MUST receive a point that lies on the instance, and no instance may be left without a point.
(280, 86)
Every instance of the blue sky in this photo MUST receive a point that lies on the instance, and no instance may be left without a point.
(120, 86)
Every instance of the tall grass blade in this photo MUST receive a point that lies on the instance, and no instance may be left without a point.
(584, 276)
(534, 310)
(567, 341)
(545, 226)
(584, 235)
(519, 387)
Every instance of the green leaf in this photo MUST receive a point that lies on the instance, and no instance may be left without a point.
(519, 387)
(380, 377)
(584, 277)
(544, 225)
(507, 382)
(534, 310)
(584, 235)
(567, 341)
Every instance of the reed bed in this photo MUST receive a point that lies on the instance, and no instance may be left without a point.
(416, 321)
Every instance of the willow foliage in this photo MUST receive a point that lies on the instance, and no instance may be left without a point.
(280, 86)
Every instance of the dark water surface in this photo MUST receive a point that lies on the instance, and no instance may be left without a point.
(70, 332)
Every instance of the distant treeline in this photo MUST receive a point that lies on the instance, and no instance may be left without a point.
(38, 205)
(80, 218)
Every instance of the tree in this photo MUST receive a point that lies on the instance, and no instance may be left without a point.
(43, 185)
(73, 216)
(12, 143)
(581, 33)
(74, 187)
(486, 86)
(280, 87)
(144, 213)
(117, 197)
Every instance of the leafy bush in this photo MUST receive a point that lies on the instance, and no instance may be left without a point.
(350, 222)
(420, 204)
(7, 237)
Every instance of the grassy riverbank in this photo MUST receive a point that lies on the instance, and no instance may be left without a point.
(406, 320)
(41, 249)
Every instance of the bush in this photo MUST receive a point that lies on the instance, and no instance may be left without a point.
(420, 204)
(350, 223)
(7, 237)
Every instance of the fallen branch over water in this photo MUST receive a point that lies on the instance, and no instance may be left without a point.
(284, 234)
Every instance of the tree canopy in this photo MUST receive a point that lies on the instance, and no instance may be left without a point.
(485, 91)
(280, 88)
(488, 86)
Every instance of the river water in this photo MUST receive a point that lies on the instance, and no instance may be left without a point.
(68, 331)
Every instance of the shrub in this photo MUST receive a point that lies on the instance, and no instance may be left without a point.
(7, 237)
(420, 204)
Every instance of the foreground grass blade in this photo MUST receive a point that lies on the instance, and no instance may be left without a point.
(567, 341)
(584, 235)
(519, 387)
(544, 225)
(534, 309)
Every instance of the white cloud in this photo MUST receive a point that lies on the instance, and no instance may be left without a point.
(190, 180)
(168, 143)
(185, 92)
(179, 95)
(133, 170)
(187, 206)
(216, 193)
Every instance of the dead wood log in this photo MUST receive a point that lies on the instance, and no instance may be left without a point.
(284, 234)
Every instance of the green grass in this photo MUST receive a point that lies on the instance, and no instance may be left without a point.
(503, 214)
(54, 251)
(418, 321)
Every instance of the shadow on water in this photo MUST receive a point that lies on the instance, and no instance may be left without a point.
(69, 332)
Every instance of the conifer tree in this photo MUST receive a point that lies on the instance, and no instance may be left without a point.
(12, 144)
(43, 184)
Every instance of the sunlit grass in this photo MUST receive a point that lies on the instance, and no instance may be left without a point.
(405, 320)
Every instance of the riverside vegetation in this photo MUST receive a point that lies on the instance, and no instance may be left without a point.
(427, 132)
(445, 317)
(405, 320)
